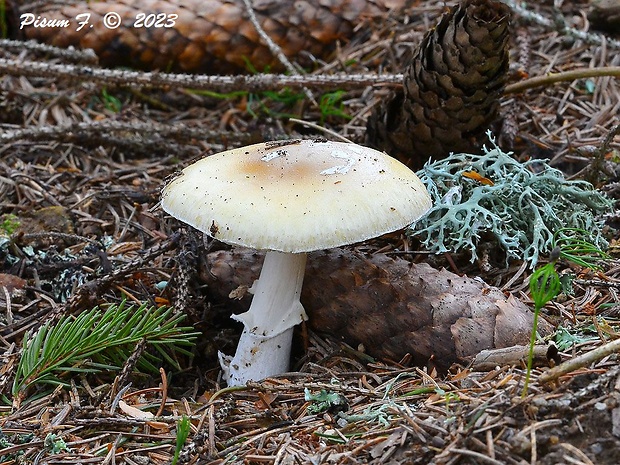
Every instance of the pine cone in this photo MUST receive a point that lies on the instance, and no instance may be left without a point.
(391, 306)
(207, 36)
(605, 15)
(451, 88)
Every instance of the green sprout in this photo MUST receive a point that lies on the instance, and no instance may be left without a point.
(545, 285)
(8, 224)
(574, 245)
(252, 69)
(324, 401)
(331, 105)
(448, 398)
(55, 444)
(219, 95)
(258, 102)
(183, 429)
(110, 102)
(99, 340)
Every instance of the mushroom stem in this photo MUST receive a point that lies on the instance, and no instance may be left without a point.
(265, 344)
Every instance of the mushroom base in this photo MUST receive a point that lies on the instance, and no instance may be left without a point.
(257, 358)
(265, 344)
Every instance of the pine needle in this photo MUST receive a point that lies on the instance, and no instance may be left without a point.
(97, 340)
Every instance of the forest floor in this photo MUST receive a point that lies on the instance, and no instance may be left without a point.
(81, 168)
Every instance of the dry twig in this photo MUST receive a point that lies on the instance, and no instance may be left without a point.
(252, 83)
(580, 361)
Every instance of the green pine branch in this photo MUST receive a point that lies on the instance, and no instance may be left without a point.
(97, 340)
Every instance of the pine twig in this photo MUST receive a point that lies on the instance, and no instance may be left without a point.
(552, 78)
(129, 366)
(274, 48)
(155, 80)
(597, 167)
(580, 361)
(588, 37)
(86, 294)
(86, 56)
(76, 132)
(97, 340)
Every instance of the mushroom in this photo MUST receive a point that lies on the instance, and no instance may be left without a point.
(289, 198)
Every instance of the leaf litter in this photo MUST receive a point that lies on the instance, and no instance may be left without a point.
(105, 169)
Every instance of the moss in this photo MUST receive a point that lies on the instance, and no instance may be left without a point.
(517, 205)
(8, 224)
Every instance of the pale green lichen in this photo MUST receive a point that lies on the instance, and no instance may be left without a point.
(493, 197)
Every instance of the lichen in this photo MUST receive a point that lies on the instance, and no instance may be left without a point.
(493, 197)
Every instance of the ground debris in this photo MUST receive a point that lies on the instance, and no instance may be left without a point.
(100, 150)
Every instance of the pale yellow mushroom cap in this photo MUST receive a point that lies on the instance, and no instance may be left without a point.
(296, 196)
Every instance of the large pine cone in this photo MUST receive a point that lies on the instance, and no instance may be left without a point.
(207, 36)
(605, 15)
(391, 306)
(452, 87)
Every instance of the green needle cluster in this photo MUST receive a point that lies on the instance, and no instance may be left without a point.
(98, 340)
